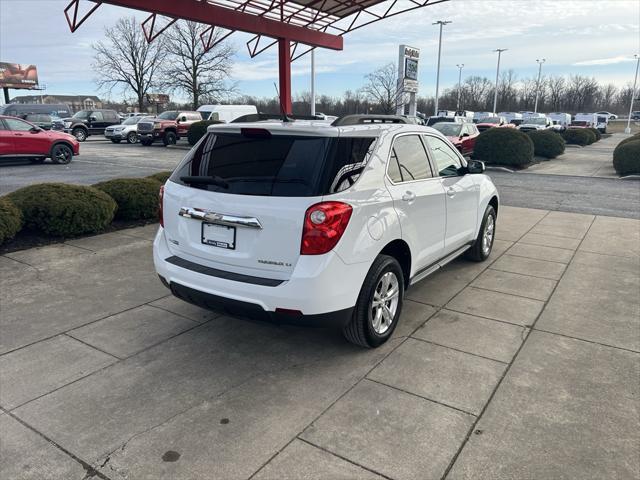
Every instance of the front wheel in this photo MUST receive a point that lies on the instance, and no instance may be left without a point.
(170, 138)
(132, 137)
(379, 304)
(80, 134)
(481, 248)
(61, 154)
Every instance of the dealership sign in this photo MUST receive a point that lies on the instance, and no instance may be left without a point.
(17, 75)
(408, 59)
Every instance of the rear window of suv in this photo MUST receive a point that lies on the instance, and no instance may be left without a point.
(277, 165)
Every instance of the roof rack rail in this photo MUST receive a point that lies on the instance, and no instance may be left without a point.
(261, 117)
(365, 119)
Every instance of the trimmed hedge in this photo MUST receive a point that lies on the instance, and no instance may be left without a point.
(596, 133)
(504, 146)
(161, 177)
(632, 138)
(546, 143)
(64, 210)
(198, 129)
(10, 220)
(626, 158)
(137, 198)
(578, 136)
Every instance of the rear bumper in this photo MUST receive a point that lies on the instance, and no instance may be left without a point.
(336, 319)
(321, 290)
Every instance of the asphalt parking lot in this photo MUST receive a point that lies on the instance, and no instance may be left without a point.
(525, 366)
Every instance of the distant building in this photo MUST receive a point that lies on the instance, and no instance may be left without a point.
(75, 102)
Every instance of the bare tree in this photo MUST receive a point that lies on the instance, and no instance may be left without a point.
(382, 88)
(557, 89)
(125, 59)
(190, 69)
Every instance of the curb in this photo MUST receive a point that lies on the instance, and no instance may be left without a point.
(499, 169)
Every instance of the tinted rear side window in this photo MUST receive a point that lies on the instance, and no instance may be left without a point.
(280, 165)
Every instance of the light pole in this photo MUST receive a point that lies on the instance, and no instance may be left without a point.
(633, 94)
(540, 62)
(460, 67)
(442, 23)
(495, 96)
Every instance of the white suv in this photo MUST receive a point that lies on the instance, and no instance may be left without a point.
(311, 223)
(127, 130)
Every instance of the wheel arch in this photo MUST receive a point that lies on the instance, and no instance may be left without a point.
(399, 249)
(60, 142)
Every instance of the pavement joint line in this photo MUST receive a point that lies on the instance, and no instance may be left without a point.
(89, 470)
(217, 315)
(78, 326)
(525, 274)
(533, 245)
(513, 359)
(628, 257)
(524, 242)
(342, 458)
(422, 397)
(401, 342)
(506, 322)
(587, 341)
(69, 334)
(458, 350)
(514, 294)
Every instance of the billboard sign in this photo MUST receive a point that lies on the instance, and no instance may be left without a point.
(408, 68)
(158, 98)
(17, 75)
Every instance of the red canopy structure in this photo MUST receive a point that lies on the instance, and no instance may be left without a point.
(313, 23)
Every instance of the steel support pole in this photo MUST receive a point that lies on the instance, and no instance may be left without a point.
(313, 82)
(495, 96)
(633, 95)
(540, 62)
(442, 24)
(460, 67)
(284, 67)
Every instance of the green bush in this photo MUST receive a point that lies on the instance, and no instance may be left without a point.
(137, 198)
(504, 146)
(198, 129)
(596, 133)
(161, 177)
(64, 210)
(626, 158)
(578, 136)
(632, 138)
(10, 220)
(546, 143)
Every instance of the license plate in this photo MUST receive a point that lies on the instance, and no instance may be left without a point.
(220, 236)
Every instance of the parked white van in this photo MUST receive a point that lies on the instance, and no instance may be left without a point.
(446, 113)
(511, 116)
(226, 113)
(561, 119)
(477, 116)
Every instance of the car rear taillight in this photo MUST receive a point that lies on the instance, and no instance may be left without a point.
(324, 224)
(160, 202)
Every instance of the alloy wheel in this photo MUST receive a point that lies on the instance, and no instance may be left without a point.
(384, 303)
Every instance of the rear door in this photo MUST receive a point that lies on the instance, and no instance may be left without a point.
(461, 194)
(418, 198)
(7, 145)
(237, 202)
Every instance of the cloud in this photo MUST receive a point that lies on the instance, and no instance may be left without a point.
(604, 61)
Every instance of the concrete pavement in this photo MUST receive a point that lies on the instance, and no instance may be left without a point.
(525, 366)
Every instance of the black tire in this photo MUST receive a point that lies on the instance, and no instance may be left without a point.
(478, 252)
(132, 137)
(146, 142)
(113, 140)
(170, 138)
(360, 330)
(80, 134)
(61, 154)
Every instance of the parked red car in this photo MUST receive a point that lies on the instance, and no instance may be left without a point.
(490, 122)
(22, 139)
(462, 135)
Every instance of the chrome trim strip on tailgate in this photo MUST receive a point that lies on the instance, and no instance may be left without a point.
(219, 218)
(214, 272)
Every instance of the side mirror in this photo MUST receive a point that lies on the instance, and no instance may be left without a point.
(183, 119)
(92, 119)
(475, 166)
(465, 134)
(35, 130)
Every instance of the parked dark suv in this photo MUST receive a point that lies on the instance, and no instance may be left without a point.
(90, 122)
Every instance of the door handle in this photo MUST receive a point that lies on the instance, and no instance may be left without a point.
(409, 196)
(451, 192)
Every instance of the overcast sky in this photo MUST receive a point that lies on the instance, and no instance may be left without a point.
(588, 37)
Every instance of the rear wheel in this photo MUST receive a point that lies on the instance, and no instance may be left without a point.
(61, 154)
(481, 248)
(170, 138)
(379, 304)
(132, 137)
(80, 134)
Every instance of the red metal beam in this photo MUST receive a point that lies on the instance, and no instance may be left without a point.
(203, 12)
(284, 65)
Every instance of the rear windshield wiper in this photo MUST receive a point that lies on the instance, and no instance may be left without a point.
(205, 180)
